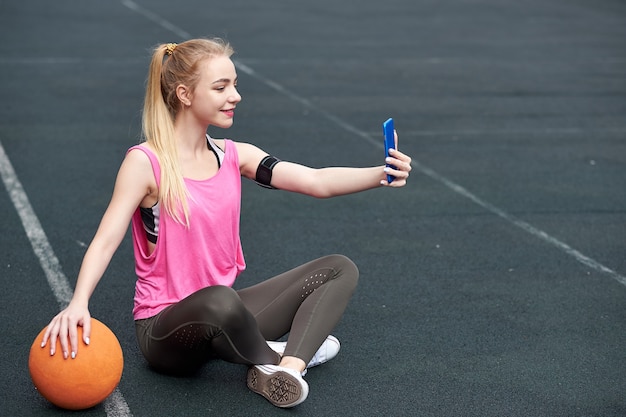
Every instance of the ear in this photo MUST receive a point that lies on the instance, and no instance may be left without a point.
(184, 95)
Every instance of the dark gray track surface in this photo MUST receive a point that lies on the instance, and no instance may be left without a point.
(492, 285)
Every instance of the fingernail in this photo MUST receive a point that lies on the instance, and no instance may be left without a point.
(51, 352)
(43, 344)
(86, 340)
(386, 169)
(65, 355)
(382, 182)
(73, 355)
(387, 159)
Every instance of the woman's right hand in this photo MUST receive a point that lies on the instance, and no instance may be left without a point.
(64, 327)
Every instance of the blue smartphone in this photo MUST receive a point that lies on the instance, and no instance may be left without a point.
(389, 143)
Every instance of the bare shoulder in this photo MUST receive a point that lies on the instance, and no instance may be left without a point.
(137, 160)
(246, 148)
(137, 168)
(249, 158)
(138, 156)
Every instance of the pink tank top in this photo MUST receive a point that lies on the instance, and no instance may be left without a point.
(186, 260)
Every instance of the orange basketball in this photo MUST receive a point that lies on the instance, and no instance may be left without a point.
(85, 381)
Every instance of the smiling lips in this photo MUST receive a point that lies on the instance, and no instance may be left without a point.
(229, 112)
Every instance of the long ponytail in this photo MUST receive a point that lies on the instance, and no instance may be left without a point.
(173, 65)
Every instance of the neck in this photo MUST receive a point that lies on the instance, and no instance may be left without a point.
(189, 135)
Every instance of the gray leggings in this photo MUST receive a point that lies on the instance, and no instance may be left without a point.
(219, 322)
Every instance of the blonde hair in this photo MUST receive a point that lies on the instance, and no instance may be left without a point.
(171, 66)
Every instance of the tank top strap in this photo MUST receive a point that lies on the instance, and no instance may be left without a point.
(154, 161)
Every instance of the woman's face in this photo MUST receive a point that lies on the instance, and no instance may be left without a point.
(215, 97)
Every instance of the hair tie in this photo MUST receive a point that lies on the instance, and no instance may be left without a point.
(169, 48)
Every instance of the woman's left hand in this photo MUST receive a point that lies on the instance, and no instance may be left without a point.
(402, 163)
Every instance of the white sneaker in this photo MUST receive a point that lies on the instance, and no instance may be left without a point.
(283, 387)
(328, 350)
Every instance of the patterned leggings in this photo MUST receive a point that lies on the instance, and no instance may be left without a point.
(219, 322)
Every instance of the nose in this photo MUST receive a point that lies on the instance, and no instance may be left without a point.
(234, 97)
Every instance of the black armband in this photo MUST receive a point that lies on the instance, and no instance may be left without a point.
(264, 171)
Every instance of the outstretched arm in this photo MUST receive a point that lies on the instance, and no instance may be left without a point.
(326, 182)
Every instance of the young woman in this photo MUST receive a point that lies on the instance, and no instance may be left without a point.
(181, 190)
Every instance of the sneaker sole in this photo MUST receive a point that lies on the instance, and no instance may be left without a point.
(279, 388)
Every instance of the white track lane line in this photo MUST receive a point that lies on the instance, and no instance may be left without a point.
(38, 240)
(578, 256)
(114, 405)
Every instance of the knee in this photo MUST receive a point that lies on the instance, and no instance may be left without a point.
(222, 305)
(345, 269)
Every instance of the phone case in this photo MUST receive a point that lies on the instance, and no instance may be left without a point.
(389, 143)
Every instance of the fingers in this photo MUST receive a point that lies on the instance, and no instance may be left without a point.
(64, 328)
(73, 334)
(402, 164)
(46, 336)
(63, 332)
(51, 335)
(86, 330)
(396, 154)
